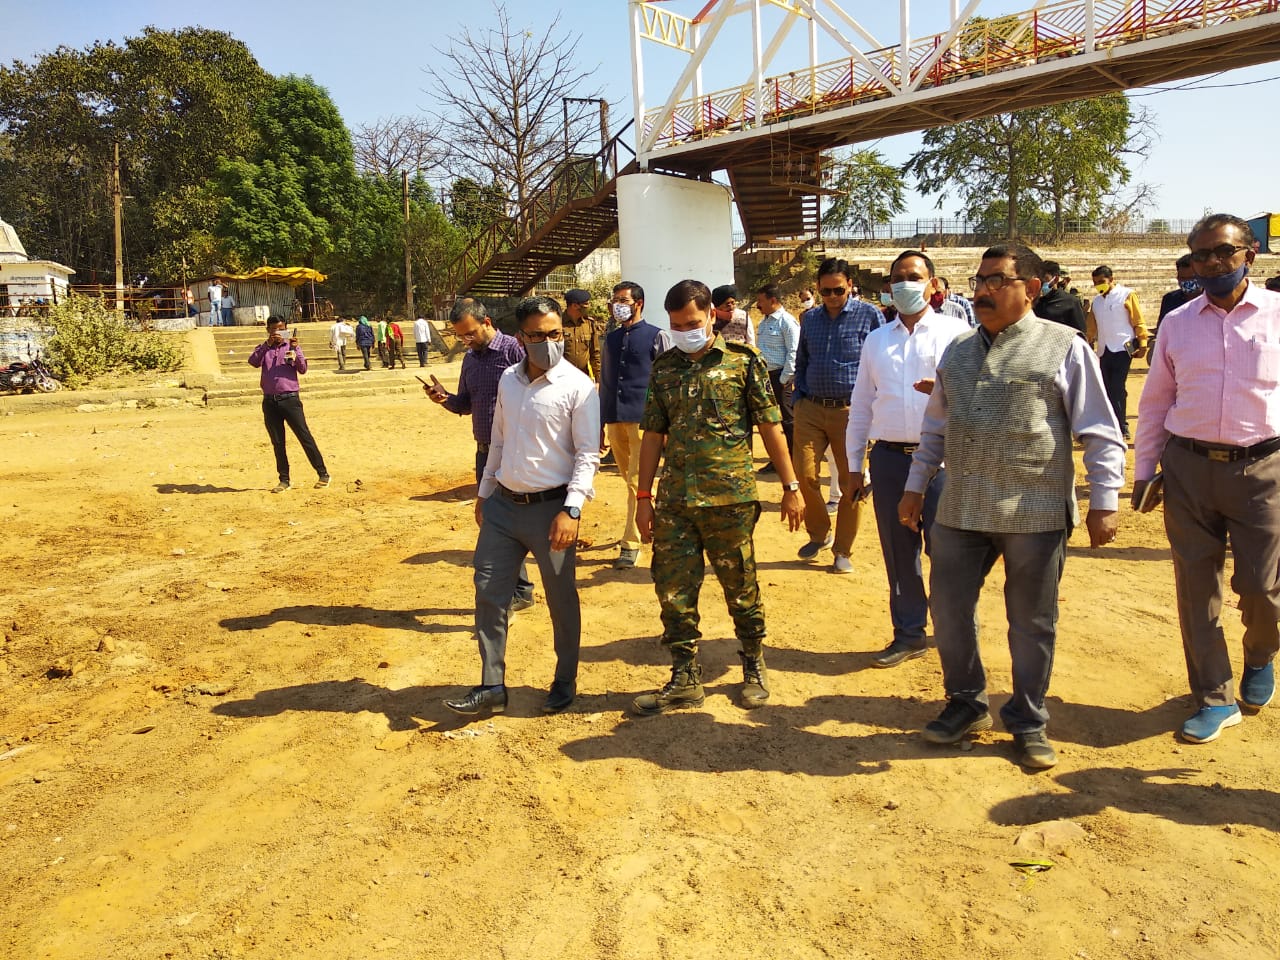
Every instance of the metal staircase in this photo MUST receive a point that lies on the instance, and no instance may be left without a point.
(570, 214)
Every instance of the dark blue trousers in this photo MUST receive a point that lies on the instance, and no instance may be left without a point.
(908, 604)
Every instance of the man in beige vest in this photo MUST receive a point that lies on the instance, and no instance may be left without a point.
(1008, 399)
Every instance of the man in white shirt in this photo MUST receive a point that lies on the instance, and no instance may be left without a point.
(421, 339)
(215, 304)
(340, 334)
(1114, 326)
(895, 377)
(543, 455)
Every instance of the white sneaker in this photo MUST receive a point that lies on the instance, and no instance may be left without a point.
(842, 565)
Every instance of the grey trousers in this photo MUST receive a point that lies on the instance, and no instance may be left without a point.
(1033, 562)
(1205, 503)
(510, 532)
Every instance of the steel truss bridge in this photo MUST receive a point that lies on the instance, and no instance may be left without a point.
(768, 132)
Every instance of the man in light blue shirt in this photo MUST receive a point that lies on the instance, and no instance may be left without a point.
(777, 338)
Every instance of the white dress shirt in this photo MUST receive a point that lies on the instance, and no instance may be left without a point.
(546, 434)
(1110, 313)
(884, 405)
(421, 332)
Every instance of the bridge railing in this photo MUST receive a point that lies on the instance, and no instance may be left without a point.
(576, 177)
(979, 49)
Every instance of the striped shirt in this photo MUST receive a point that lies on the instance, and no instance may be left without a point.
(777, 338)
(829, 350)
(478, 383)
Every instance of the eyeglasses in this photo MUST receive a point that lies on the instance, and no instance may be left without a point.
(1223, 251)
(992, 281)
(540, 337)
(832, 291)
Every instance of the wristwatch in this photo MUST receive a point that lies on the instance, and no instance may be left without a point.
(792, 487)
(573, 512)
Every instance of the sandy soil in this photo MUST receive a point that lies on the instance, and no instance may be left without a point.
(250, 757)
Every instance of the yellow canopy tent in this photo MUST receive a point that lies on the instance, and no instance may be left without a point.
(293, 276)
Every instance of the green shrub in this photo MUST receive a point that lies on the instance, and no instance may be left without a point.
(90, 340)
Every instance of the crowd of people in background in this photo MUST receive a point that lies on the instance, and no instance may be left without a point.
(957, 416)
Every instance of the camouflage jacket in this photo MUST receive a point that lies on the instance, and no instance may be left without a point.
(706, 408)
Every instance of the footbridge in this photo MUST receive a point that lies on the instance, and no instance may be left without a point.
(768, 133)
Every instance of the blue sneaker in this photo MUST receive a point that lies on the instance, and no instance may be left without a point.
(1258, 686)
(1207, 723)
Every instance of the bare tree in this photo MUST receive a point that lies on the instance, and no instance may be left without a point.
(503, 93)
(391, 144)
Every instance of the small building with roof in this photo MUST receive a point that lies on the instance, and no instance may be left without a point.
(25, 282)
(27, 288)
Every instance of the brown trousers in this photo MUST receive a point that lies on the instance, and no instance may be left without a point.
(1206, 502)
(817, 428)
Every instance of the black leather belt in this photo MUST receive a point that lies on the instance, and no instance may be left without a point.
(280, 396)
(558, 493)
(1225, 453)
(829, 402)
(907, 448)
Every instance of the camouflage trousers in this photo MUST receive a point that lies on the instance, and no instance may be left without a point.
(680, 537)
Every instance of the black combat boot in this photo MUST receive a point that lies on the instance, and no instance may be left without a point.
(755, 680)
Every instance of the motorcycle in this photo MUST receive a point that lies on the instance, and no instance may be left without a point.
(28, 376)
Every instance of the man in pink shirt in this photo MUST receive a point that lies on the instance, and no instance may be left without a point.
(1210, 416)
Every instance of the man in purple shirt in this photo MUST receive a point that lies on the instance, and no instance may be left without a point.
(282, 362)
(489, 353)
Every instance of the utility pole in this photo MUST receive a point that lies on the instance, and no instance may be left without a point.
(408, 256)
(118, 200)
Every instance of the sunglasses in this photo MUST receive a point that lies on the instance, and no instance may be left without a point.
(832, 291)
(1223, 252)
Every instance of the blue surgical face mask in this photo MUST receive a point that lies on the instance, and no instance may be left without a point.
(1189, 286)
(1223, 285)
(691, 341)
(886, 298)
(908, 296)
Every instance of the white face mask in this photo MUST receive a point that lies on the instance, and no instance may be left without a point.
(908, 296)
(621, 312)
(691, 341)
(807, 302)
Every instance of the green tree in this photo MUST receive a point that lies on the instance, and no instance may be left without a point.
(177, 102)
(290, 199)
(1067, 160)
(869, 190)
(370, 274)
(473, 206)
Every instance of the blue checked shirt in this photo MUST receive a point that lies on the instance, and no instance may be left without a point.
(777, 338)
(478, 382)
(829, 351)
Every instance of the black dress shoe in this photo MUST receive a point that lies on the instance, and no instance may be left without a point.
(560, 696)
(896, 652)
(481, 700)
(957, 720)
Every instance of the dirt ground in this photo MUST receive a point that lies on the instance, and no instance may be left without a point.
(249, 757)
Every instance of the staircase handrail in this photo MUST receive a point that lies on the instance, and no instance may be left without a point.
(576, 177)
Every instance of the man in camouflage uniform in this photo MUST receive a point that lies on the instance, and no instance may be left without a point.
(703, 399)
(582, 333)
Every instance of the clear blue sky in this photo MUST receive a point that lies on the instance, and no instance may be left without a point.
(370, 56)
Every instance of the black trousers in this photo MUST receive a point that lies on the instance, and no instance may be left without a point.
(287, 408)
(422, 353)
(783, 394)
(1115, 374)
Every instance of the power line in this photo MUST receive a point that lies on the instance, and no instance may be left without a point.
(1192, 85)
